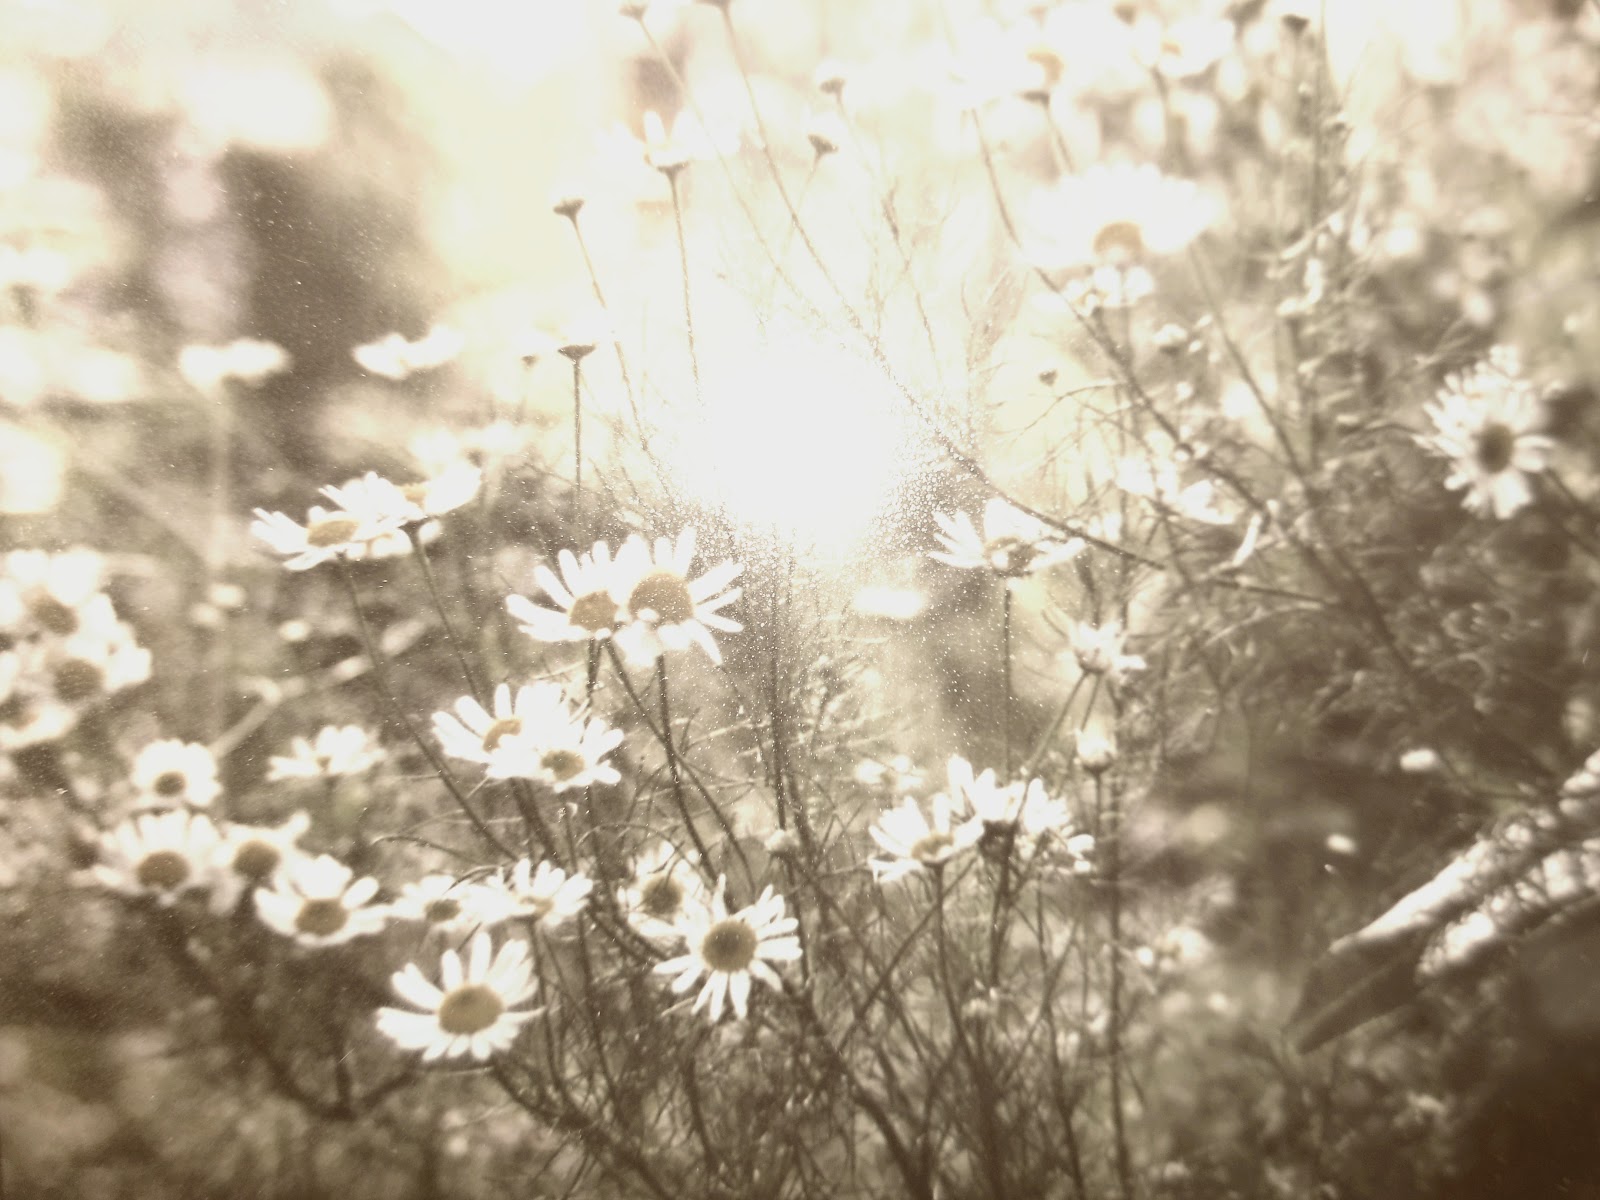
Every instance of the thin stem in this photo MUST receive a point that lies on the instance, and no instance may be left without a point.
(1111, 835)
(386, 693)
(474, 684)
(669, 743)
(1005, 674)
(577, 440)
(220, 655)
(683, 263)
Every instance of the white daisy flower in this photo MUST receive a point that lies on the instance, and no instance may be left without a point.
(663, 609)
(249, 360)
(1096, 750)
(46, 591)
(27, 716)
(1004, 812)
(1160, 484)
(394, 357)
(730, 950)
(319, 902)
(102, 658)
(513, 741)
(1485, 422)
(914, 841)
(585, 607)
(248, 856)
(546, 895)
(664, 886)
(327, 534)
(335, 752)
(385, 503)
(488, 447)
(1098, 650)
(1115, 216)
(170, 773)
(689, 141)
(563, 752)
(471, 1013)
(448, 904)
(157, 854)
(1011, 545)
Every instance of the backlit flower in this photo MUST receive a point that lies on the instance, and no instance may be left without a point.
(448, 904)
(248, 856)
(663, 608)
(472, 1012)
(915, 841)
(1006, 811)
(396, 358)
(545, 895)
(326, 534)
(731, 950)
(480, 735)
(1011, 545)
(1115, 216)
(664, 886)
(1485, 422)
(1097, 649)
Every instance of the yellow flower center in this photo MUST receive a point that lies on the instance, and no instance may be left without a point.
(322, 918)
(1494, 448)
(162, 870)
(1118, 242)
(563, 764)
(57, 618)
(256, 859)
(1009, 556)
(1050, 64)
(78, 680)
(417, 493)
(661, 896)
(662, 598)
(932, 846)
(470, 1009)
(729, 945)
(595, 612)
(501, 729)
(169, 783)
(331, 531)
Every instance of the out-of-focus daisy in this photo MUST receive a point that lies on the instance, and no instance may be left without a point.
(664, 886)
(472, 1012)
(46, 591)
(731, 950)
(479, 735)
(396, 358)
(1115, 216)
(319, 902)
(28, 717)
(1007, 812)
(99, 660)
(689, 141)
(249, 855)
(448, 904)
(1096, 749)
(663, 608)
(915, 841)
(564, 751)
(545, 894)
(1182, 48)
(171, 773)
(385, 504)
(487, 447)
(327, 534)
(251, 361)
(1486, 422)
(1011, 545)
(335, 751)
(160, 855)
(585, 607)
(898, 774)
(1097, 649)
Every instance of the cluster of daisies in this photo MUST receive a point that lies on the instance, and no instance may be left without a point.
(63, 649)
(977, 812)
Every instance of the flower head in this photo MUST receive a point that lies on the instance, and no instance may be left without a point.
(319, 902)
(43, 593)
(1116, 216)
(585, 608)
(448, 904)
(663, 608)
(1012, 812)
(335, 751)
(326, 534)
(157, 854)
(389, 505)
(545, 894)
(915, 841)
(248, 856)
(537, 735)
(731, 950)
(172, 773)
(1011, 545)
(665, 885)
(396, 358)
(1097, 649)
(472, 1012)
(1485, 422)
